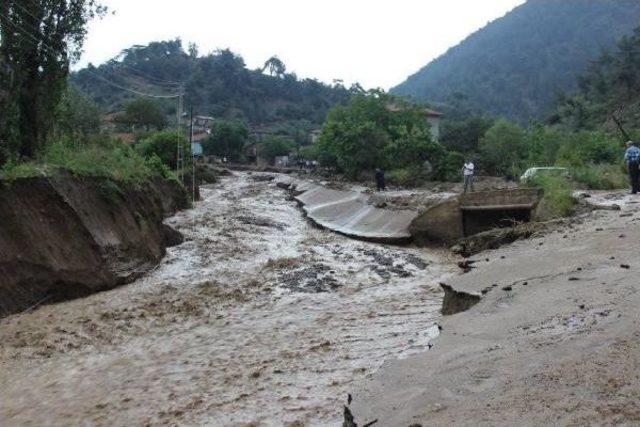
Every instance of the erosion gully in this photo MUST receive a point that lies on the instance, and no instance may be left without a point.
(259, 318)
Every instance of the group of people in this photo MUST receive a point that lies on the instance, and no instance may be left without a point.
(631, 157)
(307, 164)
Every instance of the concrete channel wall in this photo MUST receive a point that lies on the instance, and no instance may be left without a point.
(354, 214)
(350, 213)
(469, 214)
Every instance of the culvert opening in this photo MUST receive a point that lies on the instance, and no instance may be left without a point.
(477, 219)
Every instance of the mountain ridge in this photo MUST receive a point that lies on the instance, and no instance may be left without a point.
(517, 65)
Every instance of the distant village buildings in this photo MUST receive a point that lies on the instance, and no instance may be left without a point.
(314, 135)
(202, 126)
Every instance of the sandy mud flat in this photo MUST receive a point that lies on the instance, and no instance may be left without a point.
(257, 319)
(555, 339)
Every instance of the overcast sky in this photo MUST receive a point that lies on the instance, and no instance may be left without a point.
(378, 43)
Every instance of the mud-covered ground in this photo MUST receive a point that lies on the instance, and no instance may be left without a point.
(257, 319)
(555, 340)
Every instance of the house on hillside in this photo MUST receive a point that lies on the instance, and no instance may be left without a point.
(202, 126)
(433, 117)
(202, 123)
(314, 135)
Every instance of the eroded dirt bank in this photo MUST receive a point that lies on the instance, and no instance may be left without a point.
(257, 319)
(554, 341)
(64, 236)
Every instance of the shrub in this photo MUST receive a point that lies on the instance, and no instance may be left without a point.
(12, 170)
(102, 157)
(410, 176)
(450, 169)
(143, 113)
(274, 146)
(164, 145)
(107, 158)
(601, 177)
(227, 140)
(558, 200)
(504, 149)
(309, 152)
(582, 148)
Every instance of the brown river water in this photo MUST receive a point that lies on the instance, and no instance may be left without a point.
(259, 318)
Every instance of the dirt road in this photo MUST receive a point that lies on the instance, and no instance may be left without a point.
(257, 319)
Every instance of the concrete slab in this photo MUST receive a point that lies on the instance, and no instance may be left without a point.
(349, 213)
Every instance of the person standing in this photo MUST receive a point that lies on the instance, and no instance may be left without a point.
(467, 171)
(632, 158)
(380, 179)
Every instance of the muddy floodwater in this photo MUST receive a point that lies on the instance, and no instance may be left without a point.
(259, 318)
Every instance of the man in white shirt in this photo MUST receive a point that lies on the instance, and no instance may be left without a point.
(468, 171)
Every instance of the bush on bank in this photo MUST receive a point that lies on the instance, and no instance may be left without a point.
(101, 157)
(558, 200)
(601, 177)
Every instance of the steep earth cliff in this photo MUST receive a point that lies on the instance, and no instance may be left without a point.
(65, 236)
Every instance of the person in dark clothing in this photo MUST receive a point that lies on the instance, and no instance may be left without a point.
(380, 180)
(632, 157)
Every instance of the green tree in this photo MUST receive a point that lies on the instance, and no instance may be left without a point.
(589, 147)
(219, 83)
(274, 146)
(78, 116)
(143, 113)
(227, 140)
(38, 42)
(464, 135)
(376, 130)
(543, 143)
(504, 149)
(275, 66)
(165, 146)
(610, 86)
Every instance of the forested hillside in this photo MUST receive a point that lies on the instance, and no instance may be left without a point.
(217, 84)
(609, 88)
(518, 65)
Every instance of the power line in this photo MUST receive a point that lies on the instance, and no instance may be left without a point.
(55, 54)
(179, 96)
(173, 84)
(158, 82)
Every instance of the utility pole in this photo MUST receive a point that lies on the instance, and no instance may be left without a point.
(180, 153)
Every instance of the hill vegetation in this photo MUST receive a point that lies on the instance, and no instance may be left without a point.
(518, 65)
(609, 88)
(218, 84)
